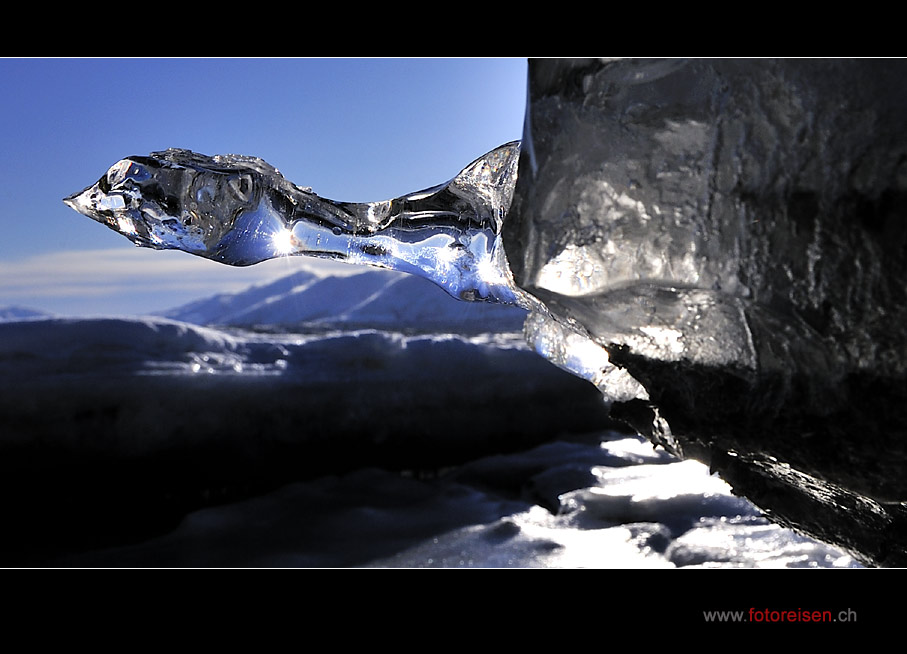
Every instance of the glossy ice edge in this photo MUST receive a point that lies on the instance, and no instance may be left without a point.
(240, 210)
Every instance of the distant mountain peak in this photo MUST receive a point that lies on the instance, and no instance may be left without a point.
(373, 298)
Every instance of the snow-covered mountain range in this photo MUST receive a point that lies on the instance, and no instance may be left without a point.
(376, 299)
(370, 299)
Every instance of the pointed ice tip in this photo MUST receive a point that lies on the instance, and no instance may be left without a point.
(78, 201)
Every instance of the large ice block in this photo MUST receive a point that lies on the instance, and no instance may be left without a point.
(733, 233)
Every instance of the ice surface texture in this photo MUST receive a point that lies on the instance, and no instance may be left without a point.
(734, 234)
(240, 211)
(733, 213)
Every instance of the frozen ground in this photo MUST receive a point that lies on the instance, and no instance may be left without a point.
(601, 501)
(438, 450)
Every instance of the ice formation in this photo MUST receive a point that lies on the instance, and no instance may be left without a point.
(717, 245)
(240, 210)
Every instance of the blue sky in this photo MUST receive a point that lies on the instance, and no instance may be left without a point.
(352, 129)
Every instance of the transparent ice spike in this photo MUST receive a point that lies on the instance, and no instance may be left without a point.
(240, 210)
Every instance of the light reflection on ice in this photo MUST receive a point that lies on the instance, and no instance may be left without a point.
(580, 355)
(636, 450)
(728, 542)
(283, 241)
(642, 484)
(612, 547)
(665, 338)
